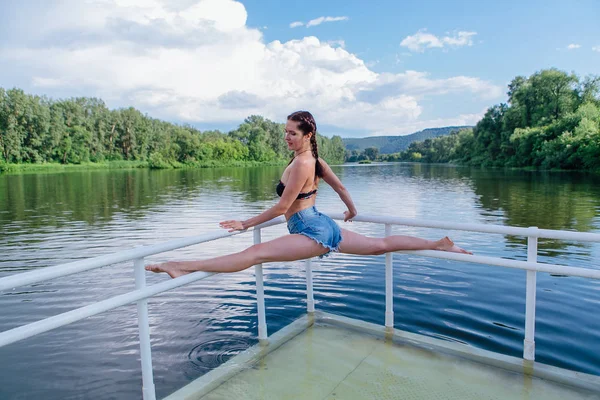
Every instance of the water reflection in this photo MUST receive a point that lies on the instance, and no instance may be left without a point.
(38, 200)
(48, 219)
(548, 200)
(551, 200)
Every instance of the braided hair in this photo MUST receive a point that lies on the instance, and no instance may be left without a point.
(307, 124)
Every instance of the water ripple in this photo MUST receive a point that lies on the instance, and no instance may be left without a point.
(212, 353)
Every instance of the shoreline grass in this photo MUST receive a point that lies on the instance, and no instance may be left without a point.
(496, 167)
(6, 168)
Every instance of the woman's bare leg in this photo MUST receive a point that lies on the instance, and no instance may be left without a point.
(354, 243)
(286, 248)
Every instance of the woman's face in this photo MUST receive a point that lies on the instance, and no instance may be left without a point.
(294, 137)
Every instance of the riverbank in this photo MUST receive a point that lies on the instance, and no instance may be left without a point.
(530, 168)
(56, 167)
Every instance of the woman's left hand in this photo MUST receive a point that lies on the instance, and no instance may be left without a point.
(232, 225)
(348, 215)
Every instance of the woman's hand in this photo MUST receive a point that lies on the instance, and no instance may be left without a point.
(232, 225)
(348, 215)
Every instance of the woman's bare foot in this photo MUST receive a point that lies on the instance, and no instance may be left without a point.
(173, 268)
(446, 244)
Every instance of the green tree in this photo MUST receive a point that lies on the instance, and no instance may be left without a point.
(4, 146)
(371, 153)
(589, 90)
(15, 132)
(337, 150)
(258, 145)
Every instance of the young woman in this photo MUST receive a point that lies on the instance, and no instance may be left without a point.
(311, 233)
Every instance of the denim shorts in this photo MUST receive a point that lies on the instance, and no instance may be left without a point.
(319, 227)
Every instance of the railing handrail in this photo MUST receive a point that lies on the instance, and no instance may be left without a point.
(483, 228)
(56, 321)
(508, 263)
(57, 271)
(68, 317)
(43, 274)
(142, 292)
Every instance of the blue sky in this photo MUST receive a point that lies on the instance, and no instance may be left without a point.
(381, 68)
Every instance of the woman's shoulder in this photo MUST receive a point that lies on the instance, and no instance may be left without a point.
(303, 166)
(304, 162)
(323, 163)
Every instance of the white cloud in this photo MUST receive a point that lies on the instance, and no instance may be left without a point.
(333, 43)
(47, 82)
(421, 85)
(596, 48)
(320, 20)
(462, 38)
(422, 40)
(573, 46)
(201, 63)
(296, 24)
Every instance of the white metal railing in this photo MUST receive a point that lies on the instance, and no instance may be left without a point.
(142, 292)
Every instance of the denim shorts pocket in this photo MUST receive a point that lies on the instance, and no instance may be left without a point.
(294, 225)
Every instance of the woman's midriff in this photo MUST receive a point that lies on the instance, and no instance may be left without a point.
(300, 205)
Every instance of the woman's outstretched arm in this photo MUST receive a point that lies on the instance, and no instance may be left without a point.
(335, 183)
(299, 173)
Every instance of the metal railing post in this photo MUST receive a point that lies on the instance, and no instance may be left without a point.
(260, 293)
(310, 301)
(529, 342)
(143, 292)
(148, 390)
(389, 280)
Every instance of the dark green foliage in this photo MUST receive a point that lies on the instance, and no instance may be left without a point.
(371, 153)
(552, 120)
(35, 130)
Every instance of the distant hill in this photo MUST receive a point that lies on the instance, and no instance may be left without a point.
(394, 144)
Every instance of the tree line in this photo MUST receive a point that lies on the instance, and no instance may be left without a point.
(551, 120)
(36, 129)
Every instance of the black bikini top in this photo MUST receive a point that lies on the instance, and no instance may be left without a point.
(281, 188)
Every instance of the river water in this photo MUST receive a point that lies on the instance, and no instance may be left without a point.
(53, 218)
